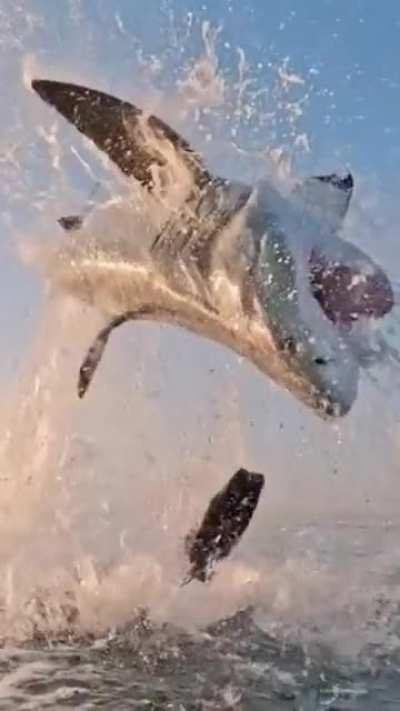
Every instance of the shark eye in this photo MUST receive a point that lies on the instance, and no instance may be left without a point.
(320, 361)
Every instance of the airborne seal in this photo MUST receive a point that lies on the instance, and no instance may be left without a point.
(226, 519)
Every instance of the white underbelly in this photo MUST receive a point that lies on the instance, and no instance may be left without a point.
(116, 287)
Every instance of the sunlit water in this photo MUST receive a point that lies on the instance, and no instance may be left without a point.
(97, 496)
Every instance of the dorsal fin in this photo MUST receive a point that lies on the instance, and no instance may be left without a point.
(328, 196)
(135, 142)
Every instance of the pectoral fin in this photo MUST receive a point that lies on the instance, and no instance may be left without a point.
(136, 143)
(95, 353)
(96, 350)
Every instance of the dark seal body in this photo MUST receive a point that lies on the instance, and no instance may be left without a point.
(226, 519)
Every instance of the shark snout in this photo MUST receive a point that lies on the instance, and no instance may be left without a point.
(334, 394)
(324, 367)
(331, 407)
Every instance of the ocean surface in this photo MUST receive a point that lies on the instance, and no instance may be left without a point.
(344, 655)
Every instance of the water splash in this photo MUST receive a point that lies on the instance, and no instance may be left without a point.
(96, 500)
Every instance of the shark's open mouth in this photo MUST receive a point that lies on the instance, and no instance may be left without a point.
(346, 293)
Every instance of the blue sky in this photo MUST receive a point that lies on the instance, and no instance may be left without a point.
(354, 47)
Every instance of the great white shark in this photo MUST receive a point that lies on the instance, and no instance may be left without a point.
(266, 274)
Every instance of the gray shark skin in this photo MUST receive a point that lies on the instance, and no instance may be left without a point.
(264, 274)
(227, 517)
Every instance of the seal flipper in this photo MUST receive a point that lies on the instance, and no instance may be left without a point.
(328, 195)
(130, 139)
